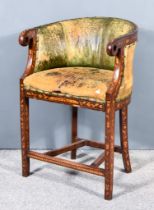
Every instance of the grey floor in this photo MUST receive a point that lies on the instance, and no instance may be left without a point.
(52, 187)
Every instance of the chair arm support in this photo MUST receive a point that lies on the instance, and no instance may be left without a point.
(116, 48)
(114, 86)
(28, 38)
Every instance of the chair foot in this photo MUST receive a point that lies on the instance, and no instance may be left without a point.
(25, 164)
(108, 186)
(128, 170)
(26, 168)
(25, 174)
(108, 196)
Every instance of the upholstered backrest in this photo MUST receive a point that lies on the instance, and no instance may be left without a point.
(78, 42)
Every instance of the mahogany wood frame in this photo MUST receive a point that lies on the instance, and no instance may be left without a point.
(114, 48)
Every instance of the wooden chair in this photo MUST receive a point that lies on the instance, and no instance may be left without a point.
(84, 62)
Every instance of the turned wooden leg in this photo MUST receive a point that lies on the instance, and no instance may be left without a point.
(109, 148)
(123, 113)
(74, 130)
(24, 123)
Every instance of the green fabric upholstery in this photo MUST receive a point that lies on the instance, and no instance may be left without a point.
(78, 42)
(71, 59)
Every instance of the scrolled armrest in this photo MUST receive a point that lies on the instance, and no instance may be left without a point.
(115, 45)
(26, 37)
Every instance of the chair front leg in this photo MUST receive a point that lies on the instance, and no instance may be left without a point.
(123, 115)
(24, 124)
(109, 148)
(74, 130)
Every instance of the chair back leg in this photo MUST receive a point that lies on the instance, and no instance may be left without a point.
(123, 115)
(74, 130)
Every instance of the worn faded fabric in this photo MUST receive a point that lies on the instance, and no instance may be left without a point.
(71, 59)
(78, 42)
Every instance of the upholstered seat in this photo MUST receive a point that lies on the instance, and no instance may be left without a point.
(77, 82)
